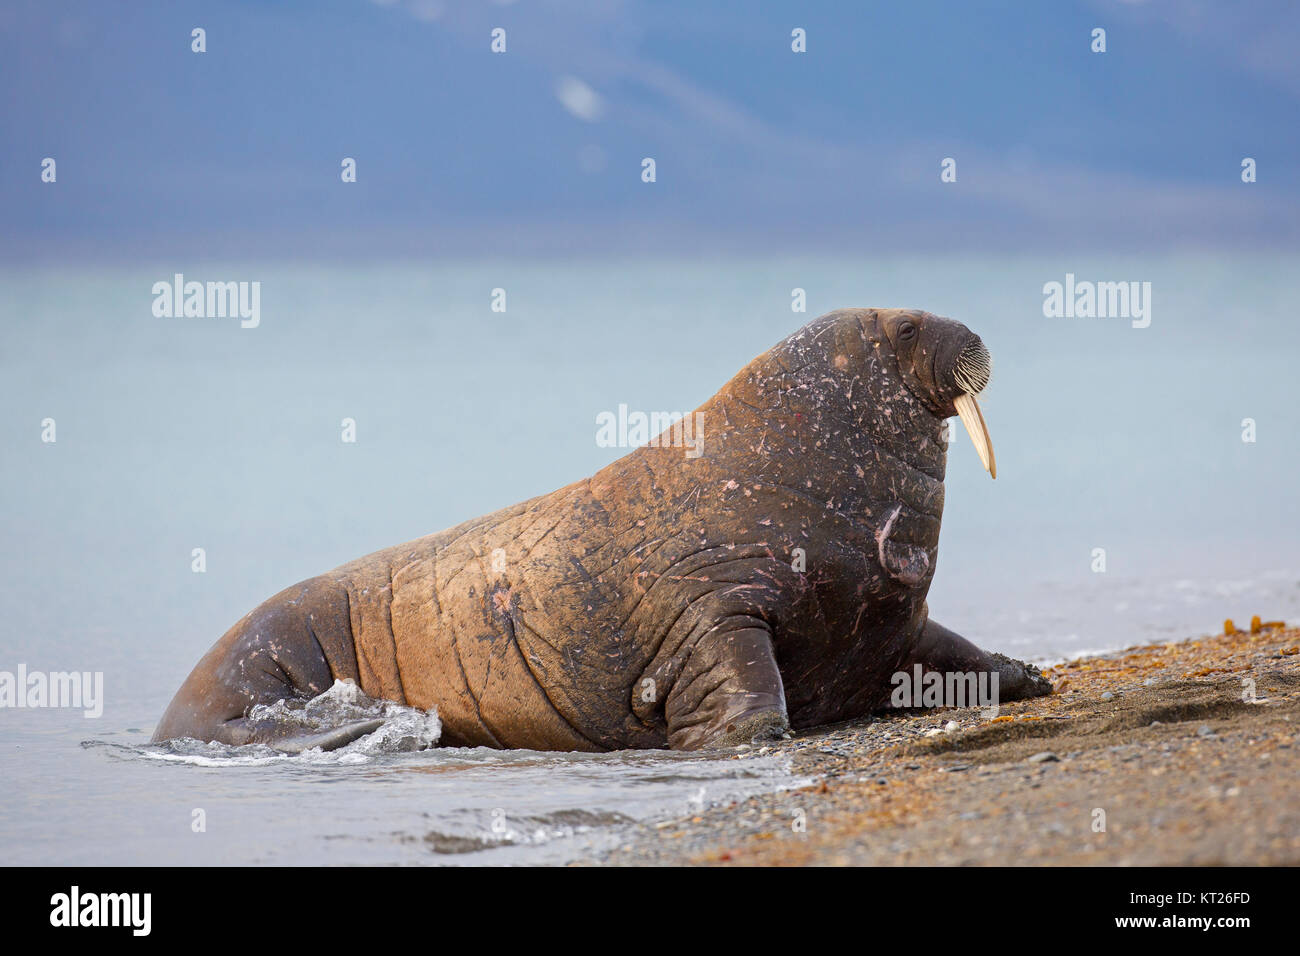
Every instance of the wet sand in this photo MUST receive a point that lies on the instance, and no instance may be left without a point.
(1149, 756)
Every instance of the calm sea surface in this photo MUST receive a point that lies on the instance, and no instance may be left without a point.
(176, 434)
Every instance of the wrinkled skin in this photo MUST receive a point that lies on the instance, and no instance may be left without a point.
(656, 603)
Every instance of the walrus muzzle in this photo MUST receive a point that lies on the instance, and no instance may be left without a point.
(972, 372)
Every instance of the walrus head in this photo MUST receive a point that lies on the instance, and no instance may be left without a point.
(945, 365)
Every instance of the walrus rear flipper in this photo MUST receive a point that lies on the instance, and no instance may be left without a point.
(294, 740)
(274, 654)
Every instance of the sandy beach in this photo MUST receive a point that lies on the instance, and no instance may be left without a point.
(1171, 754)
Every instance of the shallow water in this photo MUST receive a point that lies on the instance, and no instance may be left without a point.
(101, 801)
(175, 434)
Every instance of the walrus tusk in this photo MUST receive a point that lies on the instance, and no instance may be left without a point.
(969, 410)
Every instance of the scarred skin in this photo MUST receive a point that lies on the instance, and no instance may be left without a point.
(663, 601)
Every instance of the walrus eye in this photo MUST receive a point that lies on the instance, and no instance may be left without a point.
(906, 331)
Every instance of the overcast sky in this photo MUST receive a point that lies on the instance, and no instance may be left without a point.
(237, 151)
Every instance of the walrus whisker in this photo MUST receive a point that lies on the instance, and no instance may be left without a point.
(973, 368)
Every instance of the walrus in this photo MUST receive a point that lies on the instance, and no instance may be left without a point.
(760, 567)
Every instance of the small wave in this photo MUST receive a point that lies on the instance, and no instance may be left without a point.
(526, 830)
(404, 730)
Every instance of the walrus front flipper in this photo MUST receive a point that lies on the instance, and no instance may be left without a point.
(939, 649)
(1019, 680)
(729, 691)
